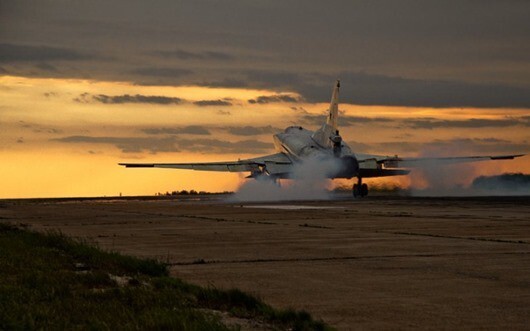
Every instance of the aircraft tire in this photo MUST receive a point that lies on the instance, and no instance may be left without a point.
(364, 190)
(355, 191)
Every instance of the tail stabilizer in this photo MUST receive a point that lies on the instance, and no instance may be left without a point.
(322, 136)
(334, 108)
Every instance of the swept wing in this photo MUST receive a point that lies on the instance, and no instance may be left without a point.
(412, 162)
(274, 164)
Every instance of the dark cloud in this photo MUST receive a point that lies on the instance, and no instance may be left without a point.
(37, 128)
(471, 123)
(372, 89)
(45, 66)
(251, 130)
(406, 53)
(263, 99)
(172, 144)
(10, 53)
(352, 120)
(275, 79)
(202, 55)
(219, 102)
(300, 110)
(127, 144)
(404, 135)
(161, 72)
(449, 147)
(222, 146)
(47, 130)
(83, 98)
(492, 140)
(345, 120)
(50, 94)
(225, 82)
(223, 112)
(421, 123)
(478, 145)
(192, 129)
(126, 98)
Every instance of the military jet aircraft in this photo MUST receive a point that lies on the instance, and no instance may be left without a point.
(295, 145)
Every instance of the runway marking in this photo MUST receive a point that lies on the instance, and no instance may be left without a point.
(218, 219)
(291, 207)
(455, 237)
(206, 218)
(335, 258)
(304, 225)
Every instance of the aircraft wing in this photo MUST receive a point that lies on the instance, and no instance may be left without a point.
(275, 163)
(412, 162)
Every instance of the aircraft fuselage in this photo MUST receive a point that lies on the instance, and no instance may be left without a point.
(299, 144)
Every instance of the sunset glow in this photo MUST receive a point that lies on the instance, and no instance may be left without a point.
(41, 159)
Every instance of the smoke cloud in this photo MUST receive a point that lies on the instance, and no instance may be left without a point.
(309, 181)
(505, 184)
(442, 184)
(432, 179)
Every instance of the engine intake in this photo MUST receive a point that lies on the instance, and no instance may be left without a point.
(348, 167)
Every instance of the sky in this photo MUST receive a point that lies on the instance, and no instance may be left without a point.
(87, 84)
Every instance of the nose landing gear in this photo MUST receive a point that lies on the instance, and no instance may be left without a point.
(360, 190)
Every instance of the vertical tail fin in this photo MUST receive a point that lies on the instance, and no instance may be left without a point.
(334, 108)
(328, 129)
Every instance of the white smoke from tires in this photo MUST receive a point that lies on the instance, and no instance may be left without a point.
(309, 181)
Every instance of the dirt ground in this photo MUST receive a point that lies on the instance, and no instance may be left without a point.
(376, 263)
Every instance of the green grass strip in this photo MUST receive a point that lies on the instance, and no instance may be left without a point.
(49, 281)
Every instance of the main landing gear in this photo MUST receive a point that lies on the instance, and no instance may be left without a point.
(360, 190)
(264, 177)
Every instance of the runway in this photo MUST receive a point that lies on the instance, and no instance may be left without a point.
(380, 262)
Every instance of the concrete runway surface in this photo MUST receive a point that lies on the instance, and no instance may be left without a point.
(380, 262)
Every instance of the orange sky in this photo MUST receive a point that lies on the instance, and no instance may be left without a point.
(38, 114)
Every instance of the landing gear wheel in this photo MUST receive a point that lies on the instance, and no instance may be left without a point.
(364, 190)
(360, 190)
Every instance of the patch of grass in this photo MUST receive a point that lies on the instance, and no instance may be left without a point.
(50, 281)
(243, 305)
